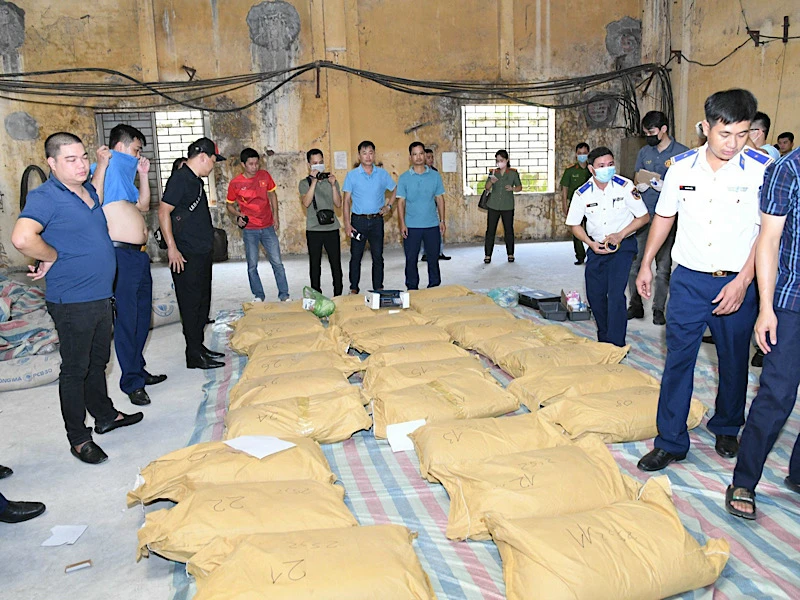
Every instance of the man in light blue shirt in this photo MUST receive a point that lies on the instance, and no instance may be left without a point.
(365, 205)
(420, 206)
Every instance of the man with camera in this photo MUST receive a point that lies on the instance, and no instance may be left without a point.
(319, 193)
(253, 202)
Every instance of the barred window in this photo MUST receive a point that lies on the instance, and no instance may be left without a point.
(526, 132)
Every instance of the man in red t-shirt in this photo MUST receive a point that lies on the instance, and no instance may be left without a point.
(253, 202)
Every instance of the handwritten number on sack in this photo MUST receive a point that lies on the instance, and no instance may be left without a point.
(452, 436)
(232, 502)
(296, 572)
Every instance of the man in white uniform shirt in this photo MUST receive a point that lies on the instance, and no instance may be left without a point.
(715, 188)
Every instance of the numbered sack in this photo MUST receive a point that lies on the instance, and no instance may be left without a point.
(325, 418)
(459, 314)
(306, 342)
(301, 361)
(372, 341)
(233, 510)
(406, 353)
(626, 415)
(395, 377)
(378, 320)
(287, 385)
(536, 360)
(464, 395)
(177, 474)
(469, 333)
(536, 483)
(272, 307)
(352, 563)
(443, 291)
(631, 550)
(446, 442)
(544, 386)
(250, 331)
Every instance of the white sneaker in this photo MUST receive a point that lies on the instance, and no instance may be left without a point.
(257, 299)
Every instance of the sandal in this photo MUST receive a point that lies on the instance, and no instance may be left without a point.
(740, 494)
(511, 258)
(487, 260)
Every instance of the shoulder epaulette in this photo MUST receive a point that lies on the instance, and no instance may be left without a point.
(619, 180)
(681, 156)
(757, 156)
(585, 187)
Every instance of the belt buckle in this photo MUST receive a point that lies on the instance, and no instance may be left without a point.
(719, 273)
(143, 248)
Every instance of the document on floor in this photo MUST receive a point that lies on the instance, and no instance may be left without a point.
(397, 435)
(259, 445)
(64, 534)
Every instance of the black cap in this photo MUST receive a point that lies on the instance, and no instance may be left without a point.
(206, 146)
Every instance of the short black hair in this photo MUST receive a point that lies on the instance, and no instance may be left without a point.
(247, 154)
(788, 135)
(52, 145)
(413, 145)
(501, 154)
(177, 163)
(313, 152)
(655, 119)
(366, 144)
(126, 134)
(581, 145)
(763, 120)
(598, 152)
(428, 151)
(730, 106)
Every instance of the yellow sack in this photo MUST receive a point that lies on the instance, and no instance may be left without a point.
(175, 475)
(351, 563)
(372, 341)
(469, 333)
(534, 360)
(540, 483)
(386, 379)
(225, 511)
(258, 318)
(442, 291)
(496, 347)
(471, 313)
(272, 307)
(438, 304)
(405, 353)
(464, 395)
(247, 335)
(307, 342)
(542, 386)
(632, 550)
(348, 312)
(301, 361)
(287, 385)
(626, 415)
(443, 443)
(326, 418)
(383, 320)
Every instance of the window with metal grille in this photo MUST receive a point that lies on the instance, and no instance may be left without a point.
(527, 133)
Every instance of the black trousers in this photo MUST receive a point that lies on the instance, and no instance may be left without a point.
(193, 291)
(84, 334)
(491, 230)
(329, 240)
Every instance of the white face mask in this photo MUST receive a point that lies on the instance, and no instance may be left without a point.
(500, 164)
(318, 167)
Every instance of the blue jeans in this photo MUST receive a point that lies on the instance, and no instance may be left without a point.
(372, 232)
(430, 238)
(269, 240)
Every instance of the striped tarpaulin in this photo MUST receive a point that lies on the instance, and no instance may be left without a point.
(385, 487)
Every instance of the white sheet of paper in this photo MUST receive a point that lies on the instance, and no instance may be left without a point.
(397, 434)
(64, 534)
(340, 160)
(259, 445)
(449, 162)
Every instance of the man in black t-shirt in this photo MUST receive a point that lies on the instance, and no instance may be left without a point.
(186, 226)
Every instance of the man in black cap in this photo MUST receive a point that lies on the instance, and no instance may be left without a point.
(186, 227)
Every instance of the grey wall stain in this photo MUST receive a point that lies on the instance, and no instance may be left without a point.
(624, 42)
(12, 35)
(21, 126)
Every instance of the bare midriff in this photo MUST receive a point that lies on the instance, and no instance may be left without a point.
(125, 222)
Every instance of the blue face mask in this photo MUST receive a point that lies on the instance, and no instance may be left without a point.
(604, 174)
(582, 158)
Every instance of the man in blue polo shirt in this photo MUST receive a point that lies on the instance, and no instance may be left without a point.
(63, 227)
(420, 206)
(365, 205)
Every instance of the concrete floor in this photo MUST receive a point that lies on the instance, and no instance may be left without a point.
(33, 443)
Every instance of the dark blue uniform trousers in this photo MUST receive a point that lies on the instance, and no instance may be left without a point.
(3, 503)
(691, 293)
(606, 278)
(772, 405)
(431, 238)
(133, 296)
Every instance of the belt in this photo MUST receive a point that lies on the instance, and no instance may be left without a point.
(723, 273)
(372, 216)
(137, 247)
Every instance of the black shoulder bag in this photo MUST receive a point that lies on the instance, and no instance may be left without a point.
(324, 216)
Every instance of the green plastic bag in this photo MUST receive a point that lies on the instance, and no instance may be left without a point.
(320, 305)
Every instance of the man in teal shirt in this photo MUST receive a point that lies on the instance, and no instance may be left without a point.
(420, 206)
(574, 177)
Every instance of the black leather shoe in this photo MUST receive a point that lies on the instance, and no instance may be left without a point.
(212, 353)
(126, 420)
(153, 379)
(635, 312)
(658, 317)
(17, 512)
(443, 257)
(657, 459)
(791, 485)
(727, 446)
(578, 263)
(5, 472)
(90, 453)
(708, 339)
(139, 397)
(424, 258)
(758, 359)
(203, 362)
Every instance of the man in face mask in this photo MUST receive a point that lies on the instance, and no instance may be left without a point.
(614, 210)
(653, 158)
(574, 177)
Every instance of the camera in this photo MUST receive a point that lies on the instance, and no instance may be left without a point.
(322, 176)
(357, 235)
(245, 219)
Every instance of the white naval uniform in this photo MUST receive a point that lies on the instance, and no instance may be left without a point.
(607, 211)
